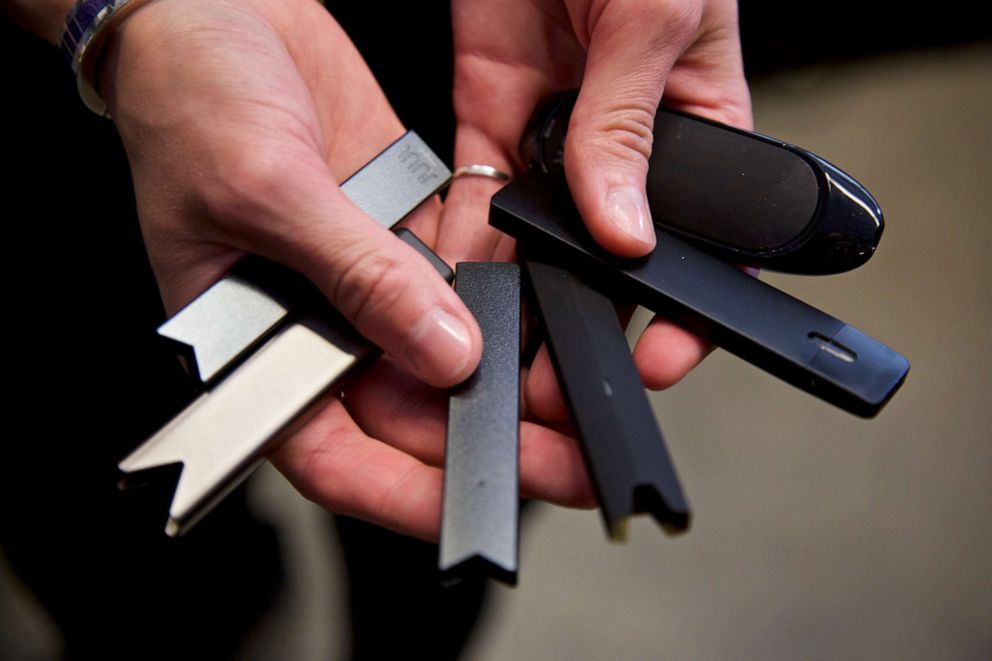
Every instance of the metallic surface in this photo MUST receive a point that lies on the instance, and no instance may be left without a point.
(479, 525)
(232, 316)
(396, 181)
(223, 435)
(252, 401)
(477, 170)
(238, 311)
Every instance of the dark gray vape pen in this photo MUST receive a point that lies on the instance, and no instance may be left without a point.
(626, 455)
(479, 523)
(774, 331)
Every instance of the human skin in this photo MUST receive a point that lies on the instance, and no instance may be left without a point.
(239, 117)
(628, 56)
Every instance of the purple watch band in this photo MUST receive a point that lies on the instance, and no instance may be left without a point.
(82, 16)
(87, 29)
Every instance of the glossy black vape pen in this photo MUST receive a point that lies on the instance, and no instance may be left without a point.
(743, 196)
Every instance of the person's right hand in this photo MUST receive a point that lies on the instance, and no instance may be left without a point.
(239, 118)
(625, 56)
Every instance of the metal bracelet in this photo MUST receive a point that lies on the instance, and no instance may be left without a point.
(87, 28)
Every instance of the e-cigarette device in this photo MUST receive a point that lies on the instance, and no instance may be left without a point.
(627, 458)
(770, 329)
(742, 196)
(247, 304)
(480, 512)
(267, 347)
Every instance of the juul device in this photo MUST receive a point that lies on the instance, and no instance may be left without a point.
(479, 517)
(784, 336)
(742, 196)
(267, 347)
(627, 458)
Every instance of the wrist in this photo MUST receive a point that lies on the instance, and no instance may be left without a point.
(88, 28)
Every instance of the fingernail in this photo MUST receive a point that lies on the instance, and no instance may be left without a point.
(440, 346)
(628, 210)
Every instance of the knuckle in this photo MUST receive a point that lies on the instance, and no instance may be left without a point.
(678, 19)
(622, 132)
(372, 285)
(722, 14)
(671, 23)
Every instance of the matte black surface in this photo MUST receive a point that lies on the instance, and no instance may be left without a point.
(480, 515)
(747, 317)
(743, 196)
(624, 450)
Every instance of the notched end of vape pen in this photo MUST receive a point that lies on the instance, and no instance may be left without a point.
(481, 501)
(192, 498)
(234, 315)
(478, 564)
(150, 466)
(667, 506)
(192, 479)
(618, 531)
(166, 474)
(624, 449)
(226, 432)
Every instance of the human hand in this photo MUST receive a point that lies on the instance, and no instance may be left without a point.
(625, 55)
(239, 118)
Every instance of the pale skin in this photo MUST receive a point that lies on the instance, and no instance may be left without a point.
(226, 163)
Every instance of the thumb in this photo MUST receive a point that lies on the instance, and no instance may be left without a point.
(391, 294)
(632, 46)
(383, 287)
